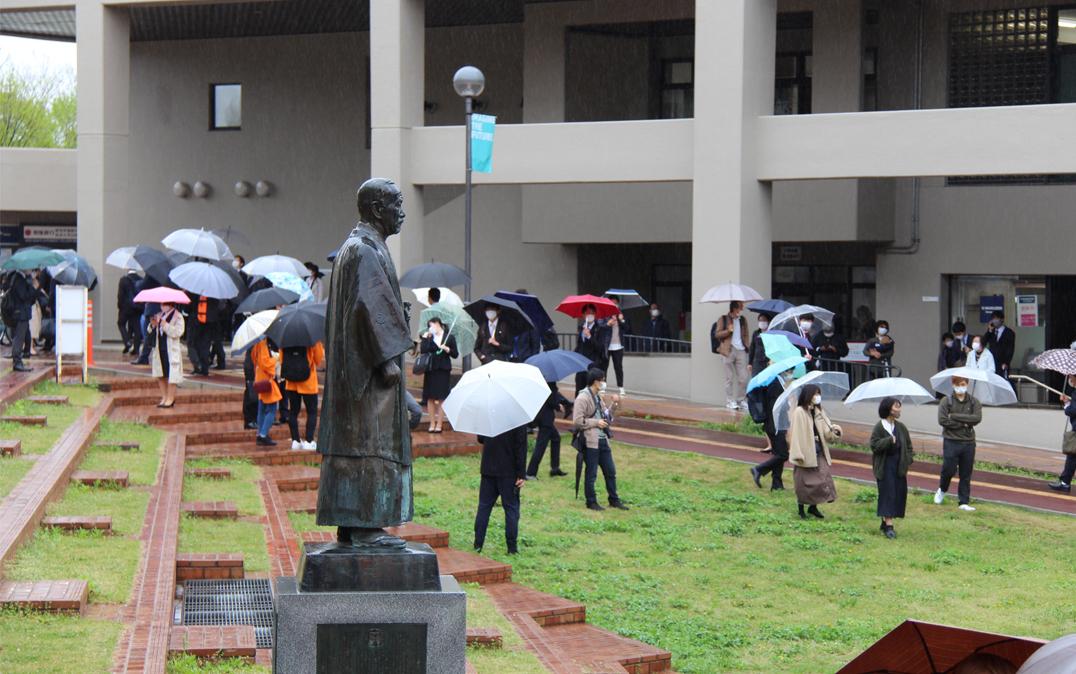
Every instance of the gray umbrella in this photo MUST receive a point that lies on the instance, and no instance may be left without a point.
(267, 298)
(73, 271)
(202, 278)
(434, 275)
(298, 325)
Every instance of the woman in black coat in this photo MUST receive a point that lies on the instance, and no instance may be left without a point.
(441, 349)
(892, 449)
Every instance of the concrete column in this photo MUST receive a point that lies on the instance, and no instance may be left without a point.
(103, 54)
(397, 84)
(735, 42)
(837, 54)
(543, 63)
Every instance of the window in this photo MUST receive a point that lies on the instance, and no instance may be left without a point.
(792, 84)
(225, 107)
(677, 89)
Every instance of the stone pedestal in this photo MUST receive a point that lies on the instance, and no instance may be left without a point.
(397, 632)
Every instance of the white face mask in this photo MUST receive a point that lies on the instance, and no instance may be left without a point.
(817, 399)
(977, 346)
(236, 264)
(763, 325)
(491, 315)
(655, 313)
(806, 325)
(883, 331)
(590, 318)
(960, 390)
(827, 333)
(435, 329)
(602, 386)
(948, 343)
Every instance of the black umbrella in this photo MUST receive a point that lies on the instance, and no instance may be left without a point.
(298, 325)
(154, 263)
(434, 275)
(267, 298)
(517, 319)
(177, 257)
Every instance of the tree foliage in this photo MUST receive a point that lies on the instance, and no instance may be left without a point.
(37, 109)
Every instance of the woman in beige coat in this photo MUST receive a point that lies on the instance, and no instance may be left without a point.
(166, 358)
(809, 433)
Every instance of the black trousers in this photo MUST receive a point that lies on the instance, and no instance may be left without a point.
(958, 458)
(143, 356)
(295, 401)
(617, 356)
(250, 404)
(283, 407)
(198, 336)
(547, 435)
(20, 341)
(217, 351)
(1069, 470)
(489, 490)
(595, 457)
(776, 463)
(130, 326)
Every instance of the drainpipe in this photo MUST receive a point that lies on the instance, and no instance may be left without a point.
(913, 246)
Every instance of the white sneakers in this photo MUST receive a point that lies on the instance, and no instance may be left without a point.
(623, 392)
(732, 405)
(939, 496)
(310, 446)
(967, 508)
(743, 405)
(295, 444)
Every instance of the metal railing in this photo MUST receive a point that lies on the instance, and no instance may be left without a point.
(634, 344)
(859, 372)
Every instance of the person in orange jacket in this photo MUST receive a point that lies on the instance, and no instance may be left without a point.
(299, 369)
(266, 361)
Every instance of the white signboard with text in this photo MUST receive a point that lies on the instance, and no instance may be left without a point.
(72, 326)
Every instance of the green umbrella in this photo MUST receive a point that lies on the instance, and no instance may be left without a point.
(457, 323)
(32, 258)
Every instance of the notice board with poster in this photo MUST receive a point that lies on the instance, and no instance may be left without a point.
(72, 327)
(988, 304)
(1027, 311)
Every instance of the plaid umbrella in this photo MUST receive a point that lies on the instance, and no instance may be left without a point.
(1058, 360)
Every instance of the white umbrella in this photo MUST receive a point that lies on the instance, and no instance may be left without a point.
(903, 389)
(495, 398)
(789, 319)
(731, 292)
(987, 387)
(202, 278)
(833, 386)
(124, 259)
(1056, 657)
(252, 329)
(448, 297)
(198, 243)
(267, 264)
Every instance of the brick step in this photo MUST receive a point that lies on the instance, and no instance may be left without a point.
(149, 398)
(468, 567)
(231, 641)
(209, 566)
(414, 533)
(589, 646)
(78, 522)
(227, 433)
(10, 448)
(299, 501)
(293, 478)
(48, 400)
(211, 509)
(545, 609)
(485, 637)
(118, 384)
(210, 473)
(123, 445)
(263, 456)
(109, 478)
(25, 420)
(56, 596)
(197, 414)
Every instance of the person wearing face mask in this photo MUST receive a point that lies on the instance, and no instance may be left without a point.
(435, 383)
(1001, 341)
(805, 325)
(494, 338)
(891, 448)
(756, 353)
(317, 285)
(979, 358)
(655, 329)
(619, 329)
(880, 350)
(166, 356)
(728, 338)
(961, 342)
(778, 440)
(829, 347)
(947, 354)
(592, 342)
(1068, 443)
(591, 415)
(809, 433)
(958, 415)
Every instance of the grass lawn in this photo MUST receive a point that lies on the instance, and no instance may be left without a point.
(39, 439)
(33, 643)
(188, 664)
(82, 395)
(728, 578)
(241, 488)
(11, 471)
(225, 536)
(513, 656)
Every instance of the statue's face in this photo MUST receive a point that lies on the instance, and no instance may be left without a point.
(392, 214)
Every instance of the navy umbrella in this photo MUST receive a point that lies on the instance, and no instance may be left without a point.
(531, 306)
(769, 307)
(517, 319)
(434, 275)
(558, 363)
(267, 298)
(298, 325)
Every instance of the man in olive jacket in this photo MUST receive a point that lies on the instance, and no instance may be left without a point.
(958, 415)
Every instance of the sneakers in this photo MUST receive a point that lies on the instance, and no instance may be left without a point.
(1061, 486)
(295, 444)
(622, 391)
(743, 405)
(967, 508)
(756, 476)
(732, 405)
(265, 442)
(309, 446)
(939, 496)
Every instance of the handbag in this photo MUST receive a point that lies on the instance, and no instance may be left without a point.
(422, 364)
(1068, 442)
(262, 386)
(151, 339)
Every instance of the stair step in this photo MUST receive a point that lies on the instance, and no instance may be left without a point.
(485, 637)
(48, 400)
(10, 448)
(230, 641)
(468, 567)
(123, 445)
(111, 478)
(585, 643)
(25, 420)
(210, 473)
(546, 609)
(411, 532)
(211, 509)
(209, 566)
(78, 522)
(58, 596)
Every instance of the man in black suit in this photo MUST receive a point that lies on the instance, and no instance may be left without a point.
(655, 329)
(24, 294)
(503, 474)
(494, 338)
(592, 342)
(548, 435)
(958, 350)
(128, 312)
(1002, 343)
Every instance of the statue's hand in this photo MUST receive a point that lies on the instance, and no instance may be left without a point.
(390, 373)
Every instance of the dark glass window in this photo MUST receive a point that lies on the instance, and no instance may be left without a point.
(677, 88)
(225, 106)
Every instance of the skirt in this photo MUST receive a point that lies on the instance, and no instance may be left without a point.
(892, 489)
(814, 485)
(436, 385)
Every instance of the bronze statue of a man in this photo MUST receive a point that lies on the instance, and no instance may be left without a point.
(364, 436)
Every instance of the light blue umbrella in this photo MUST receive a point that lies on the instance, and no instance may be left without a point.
(778, 347)
(765, 377)
(291, 282)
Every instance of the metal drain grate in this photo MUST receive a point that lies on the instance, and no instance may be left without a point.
(231, 602)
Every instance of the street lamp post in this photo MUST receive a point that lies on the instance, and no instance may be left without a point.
(469, 82)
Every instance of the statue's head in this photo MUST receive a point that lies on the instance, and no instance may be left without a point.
(381, 205)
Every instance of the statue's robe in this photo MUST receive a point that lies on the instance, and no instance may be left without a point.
(363, 436)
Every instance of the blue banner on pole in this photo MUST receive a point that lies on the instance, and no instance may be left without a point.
(482, 127)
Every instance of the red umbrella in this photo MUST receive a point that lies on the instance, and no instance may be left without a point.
(573, 306)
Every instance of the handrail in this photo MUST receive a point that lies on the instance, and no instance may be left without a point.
(634, 344)
(1036, 382)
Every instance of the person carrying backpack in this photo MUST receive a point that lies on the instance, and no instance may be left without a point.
(298, 368)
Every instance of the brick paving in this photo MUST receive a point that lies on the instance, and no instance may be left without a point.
(232, 641)
(486, 637)
(280, 537)
(217, 510)
(25, 420)
(123, 445)
(210, 473)
(10, 448)
(48, 400)
(101, 478)
(60, 596)
(78, 522)
(16, 385)
(209, 566)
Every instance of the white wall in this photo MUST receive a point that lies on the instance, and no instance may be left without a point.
(33, 179)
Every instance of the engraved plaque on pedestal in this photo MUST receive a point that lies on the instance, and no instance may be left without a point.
(372, 647)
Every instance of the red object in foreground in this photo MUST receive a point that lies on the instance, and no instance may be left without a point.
(915, 647)
(572, 305)
(162, 295)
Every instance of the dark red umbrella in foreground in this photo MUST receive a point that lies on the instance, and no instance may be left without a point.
(573, 306)
(915, 647)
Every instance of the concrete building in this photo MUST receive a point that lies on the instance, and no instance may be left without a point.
(901, 159)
